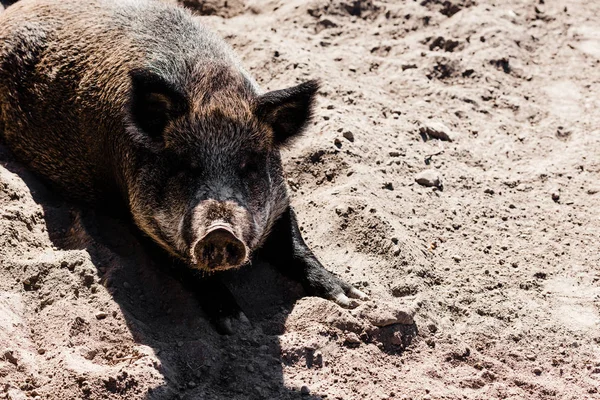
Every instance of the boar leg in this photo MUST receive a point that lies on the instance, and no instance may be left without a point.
(286, 249)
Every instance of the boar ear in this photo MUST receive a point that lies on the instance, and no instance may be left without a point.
(287, 111)
(154, 102)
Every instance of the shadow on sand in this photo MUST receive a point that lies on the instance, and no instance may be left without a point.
(195, 361)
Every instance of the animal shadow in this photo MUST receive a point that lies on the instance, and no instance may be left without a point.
(195, 361)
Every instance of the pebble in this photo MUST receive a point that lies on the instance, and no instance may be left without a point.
(437, 130)
(349, 136)
(191, 384)
(428, 178)
(101, 315)
(537, 371)
(338, 143)
(304, 390)
(555, 196)
(9, 356)
(352, 338)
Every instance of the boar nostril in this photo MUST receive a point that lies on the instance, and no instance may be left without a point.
(220, 249)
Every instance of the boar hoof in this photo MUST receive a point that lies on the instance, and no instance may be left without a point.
(323, 283)
(347, 300)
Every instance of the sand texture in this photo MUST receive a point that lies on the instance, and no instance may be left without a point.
(452, 173)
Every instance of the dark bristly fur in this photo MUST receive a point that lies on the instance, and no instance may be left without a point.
(135, 104)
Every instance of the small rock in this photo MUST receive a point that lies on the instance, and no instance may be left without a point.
(555, 196)
(101, 315)
(191, 384)
(349, 136)
(352, 339)
(537, 371)
(593, 190)
(304, 390)
(432, 327)
(436, 130)
(489, 191)
(9, 356)
(457, 258)
(540, 275)
(428, 178)
(388, 186)
(338, 143)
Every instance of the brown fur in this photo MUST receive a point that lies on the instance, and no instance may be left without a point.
(69, 108)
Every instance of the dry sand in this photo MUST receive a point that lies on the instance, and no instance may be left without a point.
(494, 104)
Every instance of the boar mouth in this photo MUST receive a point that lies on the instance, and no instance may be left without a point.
(219, 249)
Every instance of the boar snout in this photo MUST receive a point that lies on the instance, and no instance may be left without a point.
(220, 249)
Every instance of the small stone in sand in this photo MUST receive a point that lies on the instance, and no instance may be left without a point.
(428, 178)
(436, 130)
(352, 339)
(304, 390)
(9, 356)
(101, 315)
(349, 136)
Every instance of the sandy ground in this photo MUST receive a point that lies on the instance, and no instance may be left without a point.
(495, 104)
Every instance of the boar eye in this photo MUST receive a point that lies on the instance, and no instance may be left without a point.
(251, 164)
